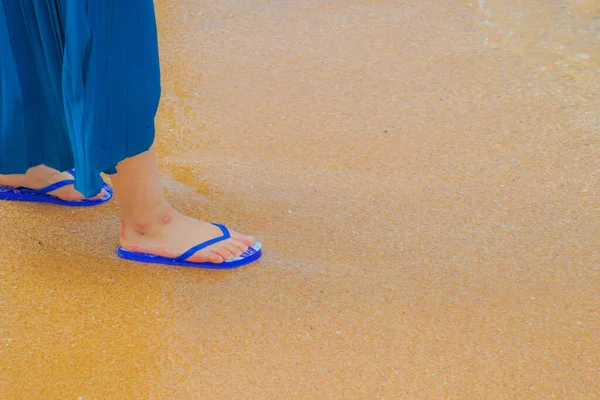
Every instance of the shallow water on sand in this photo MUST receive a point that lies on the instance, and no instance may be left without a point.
(423, 176)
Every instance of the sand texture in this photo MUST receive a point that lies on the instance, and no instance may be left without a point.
(424, 176)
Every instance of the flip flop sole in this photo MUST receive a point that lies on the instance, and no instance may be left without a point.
(9, 193)
(251, 255)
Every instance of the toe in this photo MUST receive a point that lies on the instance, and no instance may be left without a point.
(204, 255)
(215, 258)
(247, 240)
(218, 253)
(242, 247)
(233, 248)
(224, 251)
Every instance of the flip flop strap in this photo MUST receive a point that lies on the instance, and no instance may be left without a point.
(55, 186)
(197, 248)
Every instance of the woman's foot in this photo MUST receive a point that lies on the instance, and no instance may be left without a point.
(150, 225)
(42, 176)
(167, 233)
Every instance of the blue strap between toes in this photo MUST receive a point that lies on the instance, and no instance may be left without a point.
(54, 186)
(197, 248)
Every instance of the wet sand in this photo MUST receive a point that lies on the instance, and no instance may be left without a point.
(424, 177)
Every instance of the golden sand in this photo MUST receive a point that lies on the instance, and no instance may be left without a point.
(424, 176)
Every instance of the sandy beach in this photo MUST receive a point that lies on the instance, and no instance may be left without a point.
(424, 177)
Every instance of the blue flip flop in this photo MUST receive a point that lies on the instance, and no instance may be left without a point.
(252, 254)
(12, 193)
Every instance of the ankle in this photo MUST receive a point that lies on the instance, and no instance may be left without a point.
(150, 223)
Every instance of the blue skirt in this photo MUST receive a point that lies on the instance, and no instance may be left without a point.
(79, 85)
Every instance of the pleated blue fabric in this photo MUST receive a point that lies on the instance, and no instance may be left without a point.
(79, 85)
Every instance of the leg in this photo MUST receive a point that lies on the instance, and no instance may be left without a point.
(149, 224)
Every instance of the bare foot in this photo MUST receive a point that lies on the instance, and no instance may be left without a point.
(42, 176)
(168, 233)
